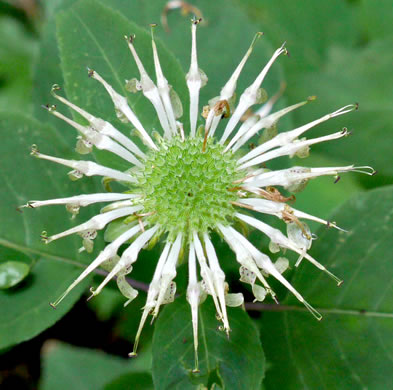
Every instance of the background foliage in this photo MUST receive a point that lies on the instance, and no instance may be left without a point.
(340, 51)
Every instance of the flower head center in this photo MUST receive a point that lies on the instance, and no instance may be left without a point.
(187, 189)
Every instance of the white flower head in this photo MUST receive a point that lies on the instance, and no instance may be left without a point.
(187, 183)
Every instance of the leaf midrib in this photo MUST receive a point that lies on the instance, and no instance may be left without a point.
(27, 250)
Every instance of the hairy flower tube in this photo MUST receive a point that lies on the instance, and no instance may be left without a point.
(187, 182)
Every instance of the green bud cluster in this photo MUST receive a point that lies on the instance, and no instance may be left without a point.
(187, 189)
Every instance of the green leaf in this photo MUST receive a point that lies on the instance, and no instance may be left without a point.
(375, 18)
(26, 311)
(68, 367)
(12, 273)
(46, 68)
(351, 347)
(309, 28)
(234, 363)
(17, 48)
(366, 81)
(92, 35)
(134, 381)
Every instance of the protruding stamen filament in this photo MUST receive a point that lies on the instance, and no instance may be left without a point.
(370, 171)
(317, 315)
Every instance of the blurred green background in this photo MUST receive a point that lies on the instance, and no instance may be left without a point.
(340, 51)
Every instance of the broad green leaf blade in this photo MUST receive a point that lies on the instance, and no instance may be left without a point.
(343, 81)
(309, 28)
(234, 363)
(351, 347)
(17, 48)
(375, 18)
(26, 311)
(92, 35)
(68, 367)
(12, 273)
(47, 68)
(135, 381)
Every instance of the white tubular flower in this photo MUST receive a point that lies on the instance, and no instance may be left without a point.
(149, 89)
(196, 79)
(261, 122)
(249, 96)
(193, 298)
(188, 185)
(228, 91)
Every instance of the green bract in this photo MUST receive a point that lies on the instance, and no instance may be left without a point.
(187, 189)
